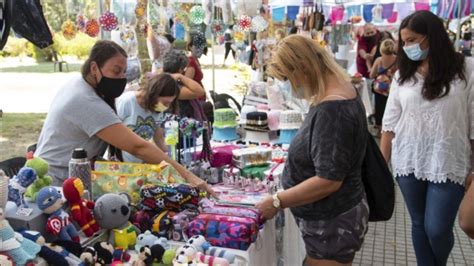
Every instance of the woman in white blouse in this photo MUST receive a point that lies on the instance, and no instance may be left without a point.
(428, 129)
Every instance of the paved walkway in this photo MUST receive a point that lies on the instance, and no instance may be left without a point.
(390, 243)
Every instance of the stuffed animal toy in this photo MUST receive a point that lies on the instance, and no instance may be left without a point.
(50, 256)
(6, 260)
(189, 254)
(81, 209)
(89, 257)
(71, 258)
(75, 248)
(105, 253)
(157, 252)
(144, 257)
(112, 212)
(14, 245)
(41, 167)
(211, 260)
(185, 254)
(18, 184)
(200, 243)
(149, 239)
(143, 220)
(120, 256)
(50, 201)
(168, 256)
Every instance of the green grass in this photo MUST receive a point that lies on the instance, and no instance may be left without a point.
(46, 67)
(17, 132)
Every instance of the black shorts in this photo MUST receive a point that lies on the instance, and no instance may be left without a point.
(338, 238)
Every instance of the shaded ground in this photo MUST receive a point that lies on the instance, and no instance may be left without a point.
(17, 132)
(47, 67)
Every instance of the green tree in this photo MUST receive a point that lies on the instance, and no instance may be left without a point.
(58, 11)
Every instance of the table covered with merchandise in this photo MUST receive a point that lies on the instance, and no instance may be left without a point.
(166, 211)
(143, 212)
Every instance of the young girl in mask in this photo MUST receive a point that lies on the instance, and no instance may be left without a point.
(143, 111)
(82, 115)
(428, 132)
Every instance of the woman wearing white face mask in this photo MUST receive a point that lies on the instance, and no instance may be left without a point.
(428, 132)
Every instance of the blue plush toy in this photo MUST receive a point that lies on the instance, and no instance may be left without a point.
(18, 185)
(50, 201)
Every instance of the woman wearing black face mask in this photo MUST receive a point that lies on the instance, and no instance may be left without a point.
(82, 115)
(365, 44)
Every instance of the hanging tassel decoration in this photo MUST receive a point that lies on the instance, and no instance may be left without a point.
(245, 23)
(69, 30)
(197, 15)
(92, 28)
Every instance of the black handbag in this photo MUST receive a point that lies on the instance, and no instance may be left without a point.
(378, 183)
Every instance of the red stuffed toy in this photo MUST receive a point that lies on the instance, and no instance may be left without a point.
(81, 209)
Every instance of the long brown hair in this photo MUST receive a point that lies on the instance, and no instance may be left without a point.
(101, 52)
(161, 85)
(445, 64)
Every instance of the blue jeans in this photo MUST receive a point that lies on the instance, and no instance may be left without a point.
(433, 208)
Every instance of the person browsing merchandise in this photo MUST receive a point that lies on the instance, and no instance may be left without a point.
(322, 175)
(83, 115)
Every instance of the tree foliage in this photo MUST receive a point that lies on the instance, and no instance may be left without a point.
(58, 11)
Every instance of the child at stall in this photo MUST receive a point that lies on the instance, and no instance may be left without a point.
(143, 111)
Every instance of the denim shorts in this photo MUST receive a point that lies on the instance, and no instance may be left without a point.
(338, 238)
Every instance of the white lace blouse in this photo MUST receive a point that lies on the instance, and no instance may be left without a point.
(431, 137)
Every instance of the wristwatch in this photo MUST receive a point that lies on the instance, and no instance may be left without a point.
(276, 201)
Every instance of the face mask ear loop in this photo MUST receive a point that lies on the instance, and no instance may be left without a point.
(101, 75)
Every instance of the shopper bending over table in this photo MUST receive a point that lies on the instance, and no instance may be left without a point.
(83, 115)
(322, 176)
(144, 111)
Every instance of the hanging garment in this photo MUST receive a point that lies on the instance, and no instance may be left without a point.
(29, 22)
(5, 20)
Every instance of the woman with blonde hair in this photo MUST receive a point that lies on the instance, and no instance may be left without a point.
(322, 176)
(382, 72)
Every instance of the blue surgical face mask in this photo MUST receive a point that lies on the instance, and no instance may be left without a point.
(415, 53)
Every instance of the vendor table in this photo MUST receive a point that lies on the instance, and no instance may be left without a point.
(264, 251)
(365, 95)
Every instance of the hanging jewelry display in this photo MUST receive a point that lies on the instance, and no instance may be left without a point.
(259, 24)
(69, 30)
(108, 21)
(197, 14)
(92, 28)
(81, 22)
(245, 23)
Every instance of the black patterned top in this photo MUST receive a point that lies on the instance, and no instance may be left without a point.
(330, 144)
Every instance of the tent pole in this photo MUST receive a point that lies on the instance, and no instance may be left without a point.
(458, 32)
(213, 56)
